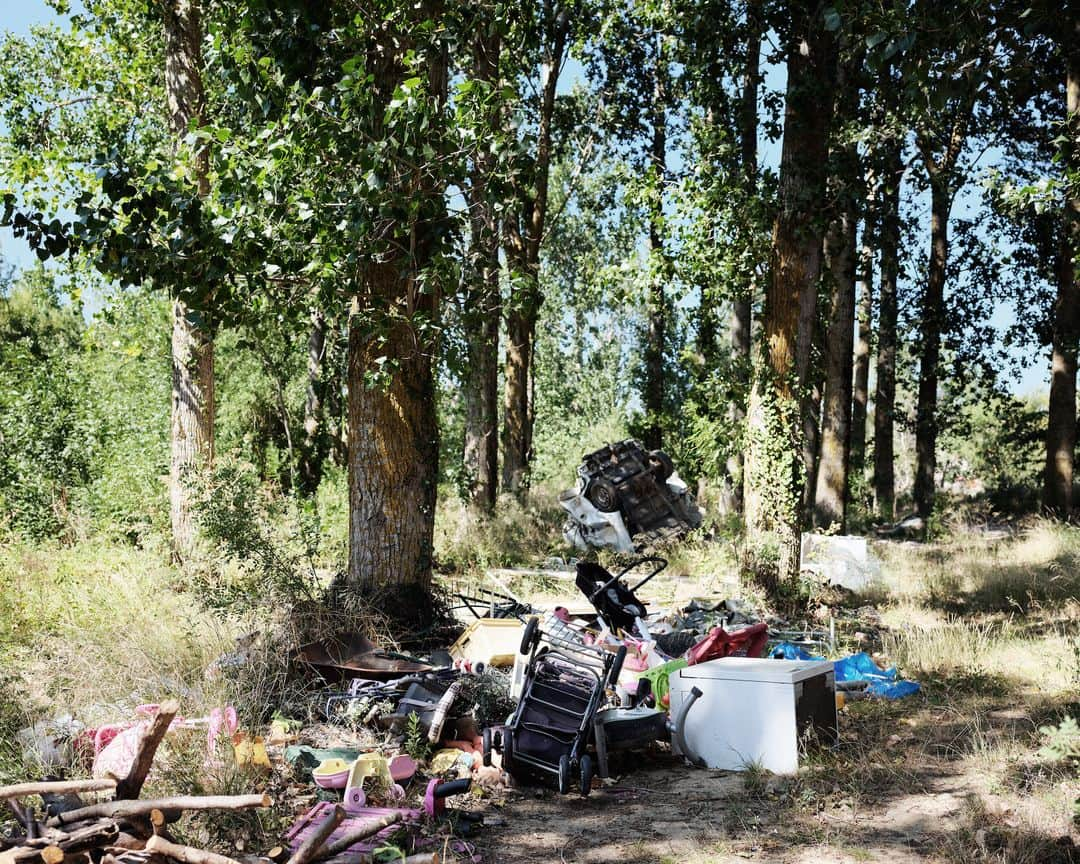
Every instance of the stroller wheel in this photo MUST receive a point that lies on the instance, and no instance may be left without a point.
(528, 637)
(564, 774)
(586, 775)
(507, 751)
(486, 737)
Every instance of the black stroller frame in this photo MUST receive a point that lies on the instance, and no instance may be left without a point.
(613, 599)
(550, 729)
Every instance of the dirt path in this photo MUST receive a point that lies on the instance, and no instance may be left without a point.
(920, 796)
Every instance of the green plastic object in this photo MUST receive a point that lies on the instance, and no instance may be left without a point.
(658, 678)
(305, 759)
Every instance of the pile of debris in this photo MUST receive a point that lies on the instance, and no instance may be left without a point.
(524, 695)
(124, 830)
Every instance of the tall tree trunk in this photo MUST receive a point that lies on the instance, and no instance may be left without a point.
(517, 417)
(740, 323)
(524, 251)
(932, 321)
(393, 448)
(830, 500)
(192, 427)
(861, 391)
(810, 412)
(393, 451)
(885, 392)
(772, 472)
(482, 304)
(1061, 426)
(657, 302)
(314, 447)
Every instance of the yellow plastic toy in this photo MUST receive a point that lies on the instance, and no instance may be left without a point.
(370, 765)
(250, 750)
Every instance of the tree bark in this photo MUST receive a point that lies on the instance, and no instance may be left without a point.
(314, 447)
(885, 392)
(524, 253)
(1061, 423)
(830, 500)
(656, 333)
(393, 441)
(932, 322)
(740, 324)
(393, 447)
(861, 390)
(772, 502)
(192, 425)
(482, 304)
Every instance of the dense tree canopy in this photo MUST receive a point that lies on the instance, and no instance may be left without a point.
(775, 238)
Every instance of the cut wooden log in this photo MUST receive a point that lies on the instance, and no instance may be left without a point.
(276, 853)
(131, 785)
(351, 838)
(52, 855)
(186, 854)
(56, 787)
(310, 847)
(124, 809)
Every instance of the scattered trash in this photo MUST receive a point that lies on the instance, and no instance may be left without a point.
(880, 682)
(911, 527)
(354, 656)
(840, 560)
(488, 642)
(623, 492)
(857, 672)
(73, 828)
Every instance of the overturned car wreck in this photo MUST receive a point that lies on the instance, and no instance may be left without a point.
(627, 498)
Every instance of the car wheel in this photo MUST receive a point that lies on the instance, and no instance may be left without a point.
(604, 495)
(664, 466)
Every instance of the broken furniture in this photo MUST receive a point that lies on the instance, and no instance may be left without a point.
(753, 712)
(624, 491)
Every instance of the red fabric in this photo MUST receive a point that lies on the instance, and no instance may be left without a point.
(747, 642)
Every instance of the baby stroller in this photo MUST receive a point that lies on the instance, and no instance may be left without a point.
(549, 731)
(611, 597)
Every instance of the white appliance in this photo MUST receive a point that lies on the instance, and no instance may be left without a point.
(753, 711)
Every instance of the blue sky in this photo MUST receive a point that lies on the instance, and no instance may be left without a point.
(20, 15)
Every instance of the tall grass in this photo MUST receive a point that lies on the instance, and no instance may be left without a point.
(97, 628)
(969, 573)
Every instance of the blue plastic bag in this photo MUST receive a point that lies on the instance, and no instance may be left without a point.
(882, 682)
(885, 683)
(788, 651)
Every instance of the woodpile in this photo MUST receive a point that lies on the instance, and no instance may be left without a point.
(125, 830)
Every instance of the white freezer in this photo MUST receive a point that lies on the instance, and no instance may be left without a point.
(755, 711)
